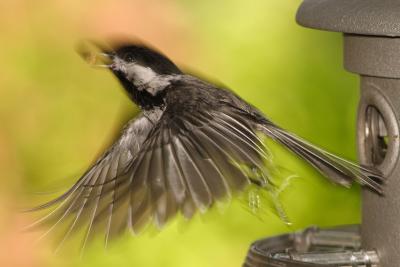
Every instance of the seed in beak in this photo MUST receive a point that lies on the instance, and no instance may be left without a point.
(89, 52)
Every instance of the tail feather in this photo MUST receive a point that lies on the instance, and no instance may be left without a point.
(336, 169)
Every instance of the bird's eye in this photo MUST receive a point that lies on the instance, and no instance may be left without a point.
(128, 57)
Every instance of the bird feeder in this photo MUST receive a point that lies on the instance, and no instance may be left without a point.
(371, 32)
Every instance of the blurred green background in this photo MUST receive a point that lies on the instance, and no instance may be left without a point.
(57, 114)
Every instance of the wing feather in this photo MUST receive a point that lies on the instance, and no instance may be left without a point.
(184, 161)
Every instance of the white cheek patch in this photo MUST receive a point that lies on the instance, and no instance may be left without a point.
(144, 78)
(140, 75)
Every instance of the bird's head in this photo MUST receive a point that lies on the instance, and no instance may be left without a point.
(143, 71)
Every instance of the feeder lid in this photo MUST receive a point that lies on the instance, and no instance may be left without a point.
(367, 17)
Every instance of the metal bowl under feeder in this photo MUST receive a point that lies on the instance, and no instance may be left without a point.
(371, 31)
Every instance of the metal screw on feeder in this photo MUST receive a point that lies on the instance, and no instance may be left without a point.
(371, 31)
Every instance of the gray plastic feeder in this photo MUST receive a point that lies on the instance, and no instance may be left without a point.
(371, 30)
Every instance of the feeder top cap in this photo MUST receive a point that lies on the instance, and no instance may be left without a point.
(366, 17)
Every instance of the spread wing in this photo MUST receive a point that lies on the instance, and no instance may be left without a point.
(191, 160)
(194, 155)
(86, 201)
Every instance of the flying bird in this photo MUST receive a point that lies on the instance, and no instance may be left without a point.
(193, 144)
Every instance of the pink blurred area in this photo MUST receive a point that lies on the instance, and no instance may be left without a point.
(18, 248)
(162, 22)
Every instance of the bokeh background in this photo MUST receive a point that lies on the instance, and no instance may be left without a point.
(57, 114)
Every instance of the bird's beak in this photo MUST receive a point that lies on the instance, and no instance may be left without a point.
(102, 60)
(89, 51)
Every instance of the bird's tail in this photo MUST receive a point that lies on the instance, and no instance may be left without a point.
(336, 169)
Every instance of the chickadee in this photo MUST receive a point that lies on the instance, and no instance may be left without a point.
(192, 145)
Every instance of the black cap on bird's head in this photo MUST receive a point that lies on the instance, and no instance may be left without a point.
(143, 71)
(142, 56)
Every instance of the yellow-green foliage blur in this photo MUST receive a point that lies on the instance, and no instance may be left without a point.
(57, 114)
